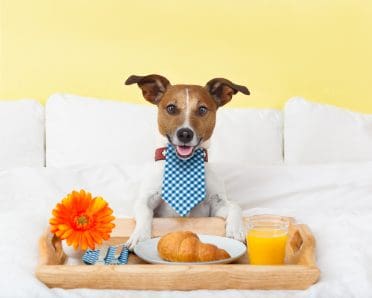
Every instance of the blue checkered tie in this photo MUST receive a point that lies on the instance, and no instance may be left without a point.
(183, 181)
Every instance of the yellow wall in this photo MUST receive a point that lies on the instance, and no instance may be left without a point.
(279, 48)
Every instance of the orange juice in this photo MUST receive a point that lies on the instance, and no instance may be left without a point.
(266, 240)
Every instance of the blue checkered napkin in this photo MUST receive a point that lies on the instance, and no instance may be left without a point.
(107, 255)
(184, 181)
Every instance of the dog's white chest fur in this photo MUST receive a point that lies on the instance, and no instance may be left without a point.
(150, 204)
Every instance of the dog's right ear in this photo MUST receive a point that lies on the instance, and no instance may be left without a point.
(153, 86)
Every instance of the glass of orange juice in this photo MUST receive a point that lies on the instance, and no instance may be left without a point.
(266, 239)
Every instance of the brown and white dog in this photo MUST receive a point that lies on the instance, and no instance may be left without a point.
(186, 119)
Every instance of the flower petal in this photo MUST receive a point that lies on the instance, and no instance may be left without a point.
(97, 205)
(84, 242)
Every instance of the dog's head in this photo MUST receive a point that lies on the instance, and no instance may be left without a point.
(186, 113)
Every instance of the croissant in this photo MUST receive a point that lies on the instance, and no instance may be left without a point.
(187, 247)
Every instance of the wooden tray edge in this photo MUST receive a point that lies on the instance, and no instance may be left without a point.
(179, 277)
(302, 274)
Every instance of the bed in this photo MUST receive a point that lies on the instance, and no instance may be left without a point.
(331, 194)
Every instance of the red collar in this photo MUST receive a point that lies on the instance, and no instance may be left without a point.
(160, 154)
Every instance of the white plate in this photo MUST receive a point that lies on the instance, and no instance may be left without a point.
(147, 250)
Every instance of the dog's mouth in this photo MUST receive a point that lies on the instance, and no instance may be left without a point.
(185, 151)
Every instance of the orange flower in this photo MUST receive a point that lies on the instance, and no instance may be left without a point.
(82, 220)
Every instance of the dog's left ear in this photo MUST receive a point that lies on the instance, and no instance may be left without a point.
(153, 86)
(222, 90)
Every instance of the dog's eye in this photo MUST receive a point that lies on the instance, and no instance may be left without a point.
(171, 109)
(202, 111)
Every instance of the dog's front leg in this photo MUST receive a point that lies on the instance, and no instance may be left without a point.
(232, 213)
(143, 213)
(222, 207)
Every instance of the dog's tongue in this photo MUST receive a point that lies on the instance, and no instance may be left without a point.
(184, 150)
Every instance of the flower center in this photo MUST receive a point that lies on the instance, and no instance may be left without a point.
(82, 220)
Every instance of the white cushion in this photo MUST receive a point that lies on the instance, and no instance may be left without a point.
(89, 131)
(21, 133)
(320, 133)
(250, 136)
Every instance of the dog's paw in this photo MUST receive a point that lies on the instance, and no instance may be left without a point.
(235, 229)
(137, 236)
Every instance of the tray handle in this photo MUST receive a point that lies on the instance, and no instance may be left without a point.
(50, 248)
(301, 246)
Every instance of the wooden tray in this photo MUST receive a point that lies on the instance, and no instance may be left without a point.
(299, 273)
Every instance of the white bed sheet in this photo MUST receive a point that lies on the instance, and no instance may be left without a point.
(334, 200)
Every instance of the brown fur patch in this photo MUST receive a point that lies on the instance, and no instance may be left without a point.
(198, 96)
(203, 125)
(187, 99)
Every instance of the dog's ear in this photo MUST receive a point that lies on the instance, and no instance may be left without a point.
(222, 90)
(153, 86)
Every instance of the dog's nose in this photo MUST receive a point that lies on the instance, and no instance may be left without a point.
(185, 135)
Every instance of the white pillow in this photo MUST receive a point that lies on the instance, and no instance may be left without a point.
(89, 131)
(251, 136)
(320, 133)
(21, 133)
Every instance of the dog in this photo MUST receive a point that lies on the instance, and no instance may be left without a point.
(186, 120)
